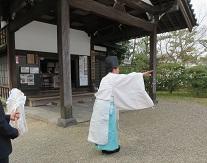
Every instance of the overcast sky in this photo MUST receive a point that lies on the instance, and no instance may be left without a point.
(200, 9)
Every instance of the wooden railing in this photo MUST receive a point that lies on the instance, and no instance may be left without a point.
(4, 92)
(3, 36)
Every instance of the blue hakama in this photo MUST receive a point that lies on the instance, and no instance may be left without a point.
(113, 141)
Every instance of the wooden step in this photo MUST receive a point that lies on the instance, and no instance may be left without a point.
(43, 95)
(33, 101)
(39, 101)
(50, 91)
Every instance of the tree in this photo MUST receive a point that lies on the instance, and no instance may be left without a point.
(136, 57)
(181, 46)
(170, 76)
(121, 50)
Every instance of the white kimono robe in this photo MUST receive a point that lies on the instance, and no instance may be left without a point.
(127, 91)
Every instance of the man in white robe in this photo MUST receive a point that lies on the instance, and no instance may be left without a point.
(116, 91)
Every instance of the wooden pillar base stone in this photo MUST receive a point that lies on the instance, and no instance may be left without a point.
(66, 122)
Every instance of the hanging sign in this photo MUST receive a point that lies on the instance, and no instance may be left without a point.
(83, 70)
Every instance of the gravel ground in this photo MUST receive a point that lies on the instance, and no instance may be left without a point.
(173, 132)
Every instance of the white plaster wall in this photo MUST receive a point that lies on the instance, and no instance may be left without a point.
(38, 36)
(100, 48)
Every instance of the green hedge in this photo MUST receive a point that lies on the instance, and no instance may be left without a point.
(173, 76)
(197, 79)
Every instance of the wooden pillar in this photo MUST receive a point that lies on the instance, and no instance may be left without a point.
(93, 71)
(1, 18)
(153, 63)
(11, 59)
(63, 36)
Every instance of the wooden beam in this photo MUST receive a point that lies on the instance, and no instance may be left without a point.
(154, 10)
(185, 14)
(23, 18)
(120, 35)
(153, 63)
(138, 4)
(1, 11)
(63, 34)
(16, 6)
(111, 13)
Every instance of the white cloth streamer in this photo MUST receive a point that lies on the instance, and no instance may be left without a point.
(16, 102)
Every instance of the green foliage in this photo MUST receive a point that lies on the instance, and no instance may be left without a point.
(138, 50)
(126, 69)
(176, 52)
(141, 62)
(170, 76)
(121, 50)
(197, 79)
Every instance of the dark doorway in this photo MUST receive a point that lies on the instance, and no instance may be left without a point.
(74, 71)
(49, 69)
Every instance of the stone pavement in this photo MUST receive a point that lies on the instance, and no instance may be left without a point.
(173, 132)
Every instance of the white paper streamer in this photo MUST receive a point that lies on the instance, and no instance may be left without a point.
(16, 102)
